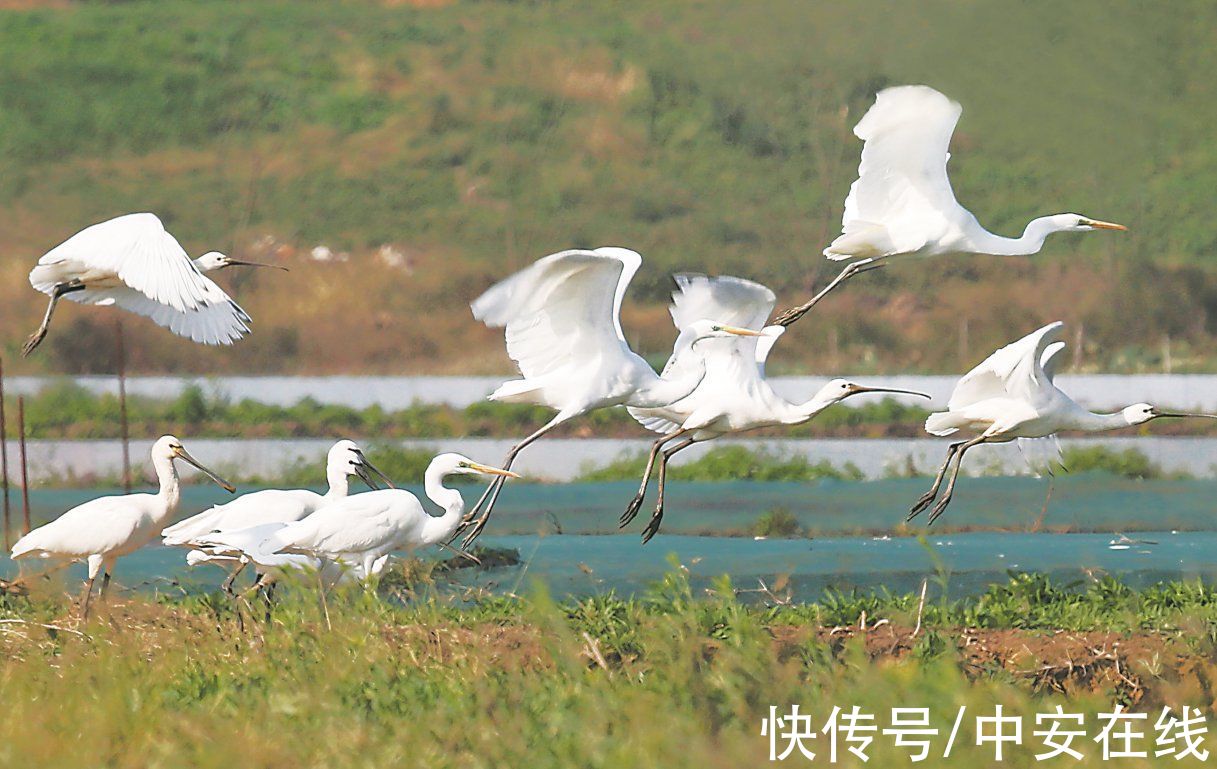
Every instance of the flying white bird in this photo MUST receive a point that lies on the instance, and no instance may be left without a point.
(734, 395)
(104, 529)
(563, 328)
(132, 262)
(902, 202)
(1011, 395)
(344, 459)
(365, 528)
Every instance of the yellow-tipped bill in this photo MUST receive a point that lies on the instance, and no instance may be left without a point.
(488, 470)
(739, 331)
(1101, 225)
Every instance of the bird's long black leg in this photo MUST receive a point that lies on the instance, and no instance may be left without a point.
(84, 599)
(37, 337)
(851, 269)
(941, 507)
(496, 485)
(652, 527)
(929, 496)
(635, 505)
(226, 586)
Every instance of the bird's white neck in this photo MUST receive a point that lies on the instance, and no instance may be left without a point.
(668, 388)
(340, 482)
(439, 529)
(798, 413)
(170, 485)
(1030, 242)
(1091, 422)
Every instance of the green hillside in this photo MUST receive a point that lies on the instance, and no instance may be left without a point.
(472, 137)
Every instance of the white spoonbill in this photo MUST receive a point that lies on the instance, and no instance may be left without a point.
(103, 529)
(563, 328)
(1011, 395)
(902, 202)
(365, 528)
(344, 459)
(734, 396)
(132, 262)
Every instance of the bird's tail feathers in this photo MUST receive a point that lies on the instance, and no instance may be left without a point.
(517, 391)
(941, 423)
(860, 240)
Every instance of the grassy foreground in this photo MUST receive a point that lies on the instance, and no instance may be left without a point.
(670, 679)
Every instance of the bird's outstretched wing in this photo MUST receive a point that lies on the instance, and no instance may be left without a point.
(732, 363)
(1013, 371)
(902, 193)
(1050, 361)
(562, 310)
(154, 278)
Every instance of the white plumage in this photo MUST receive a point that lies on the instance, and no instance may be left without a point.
(563, 330)
(132, 262)
(902, 201)
(1011, 395)
(102, 530)
(734, 395)
(365, 528)
(277, 506)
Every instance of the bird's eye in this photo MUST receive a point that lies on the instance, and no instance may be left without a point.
(716, 328)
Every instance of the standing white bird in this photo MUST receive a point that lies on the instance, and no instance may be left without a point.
(365, 528)
(902, 201)
(344, 459)
(1011, 395)
(734, 396)
(104, 529)
(132, 262)
(563, 328)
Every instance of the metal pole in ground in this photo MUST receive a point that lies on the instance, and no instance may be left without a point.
(25, 474)
(8, 514)
(122, 406)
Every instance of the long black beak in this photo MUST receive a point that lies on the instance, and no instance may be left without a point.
(239, 263)
(363, 476)
(185, 457)
(861, 389)
(365, 463)
(1183, 415)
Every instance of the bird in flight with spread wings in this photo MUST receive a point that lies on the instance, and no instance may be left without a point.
(734, 395)
(562, 317)
(133, 262)
(1012, 395)
(902, 202)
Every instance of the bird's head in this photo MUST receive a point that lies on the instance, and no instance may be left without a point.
(839, 389)
(214, 260)
(170, 448)
(1079, 223)
(459, 464)
(347, 458)
(1140, 413)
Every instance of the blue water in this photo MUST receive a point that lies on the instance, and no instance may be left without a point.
(589, 564)
(589, 556)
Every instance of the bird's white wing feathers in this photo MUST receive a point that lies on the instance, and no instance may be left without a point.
(100, 525)
(157, 277)
(732, 363)
(561, 309)
(255, 508)
(1013, 371)
(355, 524)
(764, 344)
(1050, 361)
(902, 187)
